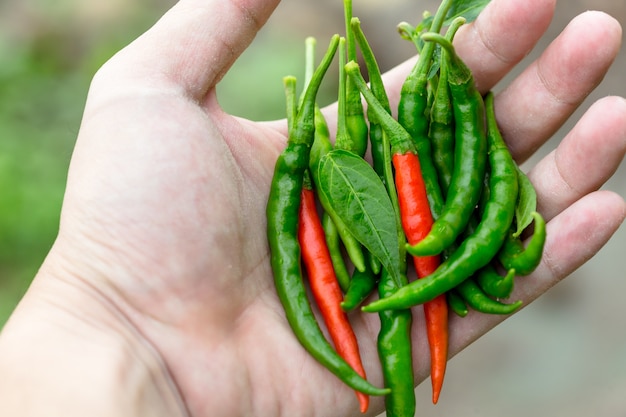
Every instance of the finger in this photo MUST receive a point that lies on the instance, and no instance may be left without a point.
(541, 99)
(573, 237)
(586, 158)
(502, 35)
(193, 44)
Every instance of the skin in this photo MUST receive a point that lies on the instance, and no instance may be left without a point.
(157, 298)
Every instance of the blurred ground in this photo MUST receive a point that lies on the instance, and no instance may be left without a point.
(564, 355)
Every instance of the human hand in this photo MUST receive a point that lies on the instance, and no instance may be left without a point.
(157, 296)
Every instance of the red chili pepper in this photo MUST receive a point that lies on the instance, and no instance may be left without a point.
(436, 314)
(325, 288)
(417, 221)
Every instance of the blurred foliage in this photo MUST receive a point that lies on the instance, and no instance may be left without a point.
(40, 104)
(44, 78)
(253, 87)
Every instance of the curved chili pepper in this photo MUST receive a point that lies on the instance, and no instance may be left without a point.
(494, 284)
(324, 286)
(282, 224)
(479, 301)
(477, 249)
(524, 260)
(362, 284)
(470, 155)
(456, 303)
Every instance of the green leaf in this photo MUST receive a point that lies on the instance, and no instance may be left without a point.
(469, 9)
(526, 203)
(358, 197)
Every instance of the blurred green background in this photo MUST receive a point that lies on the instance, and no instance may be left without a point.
(565, 355)
(48, 54)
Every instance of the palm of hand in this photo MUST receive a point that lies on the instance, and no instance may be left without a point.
(176, 223)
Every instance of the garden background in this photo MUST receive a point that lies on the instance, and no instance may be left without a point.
(564, 355)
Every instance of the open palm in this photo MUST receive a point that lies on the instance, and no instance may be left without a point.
(163, 224)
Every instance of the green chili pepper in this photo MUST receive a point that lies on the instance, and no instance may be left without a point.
(524, 260)
(282, 223)
(356, 125)
(441, 134)
(377, 142)
(336, 255)
(441, 129)
(394, 351)
(469, 159)
(456, 303)
(494, 284)
(321, 146)
(479, 301)
(412, 109)
(361, 285)
(394, 337)
(480, 247)
(344, 140)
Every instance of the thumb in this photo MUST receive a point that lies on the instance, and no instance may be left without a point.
(191, 46)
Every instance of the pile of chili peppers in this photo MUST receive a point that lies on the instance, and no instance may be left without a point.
(441, 188)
